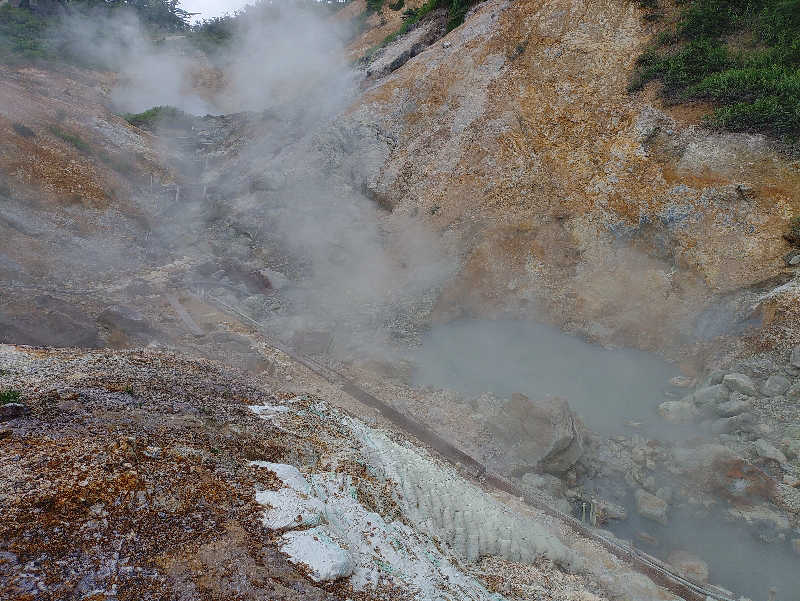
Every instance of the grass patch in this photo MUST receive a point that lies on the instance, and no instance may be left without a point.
(73, 139)
(743, 55)
(10, 396)
(456, 11)
(160, 116)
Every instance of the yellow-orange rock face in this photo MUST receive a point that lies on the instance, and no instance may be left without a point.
(577, 201)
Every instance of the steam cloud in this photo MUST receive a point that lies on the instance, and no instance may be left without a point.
(355, 272)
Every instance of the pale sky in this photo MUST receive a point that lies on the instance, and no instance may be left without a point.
(212, 8)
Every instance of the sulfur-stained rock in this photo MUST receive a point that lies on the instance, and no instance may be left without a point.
(689, 565)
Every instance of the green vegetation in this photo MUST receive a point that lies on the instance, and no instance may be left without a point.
(397, 5)
(374, 6)
(159, 116)
(21, 33)
(743, 55)
(38, 33)
(71, 138)
(456, 11)
(10, 396)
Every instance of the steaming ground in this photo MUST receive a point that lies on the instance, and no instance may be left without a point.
(268, 213)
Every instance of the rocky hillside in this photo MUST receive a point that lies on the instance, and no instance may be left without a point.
(142, 475)
(503, 169)
(605, 212)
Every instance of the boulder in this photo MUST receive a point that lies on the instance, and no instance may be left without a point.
(740, 383)
(775, 385)
(538, 435)
(678, 412)
(744, 422)
(711, 395)
(316, 549)
(794, 361)
(609, 511)
(738, 404)
(689, 566)
(792, 448)
(12, 411)
(767, 451)
(651, 507)
(793, 393)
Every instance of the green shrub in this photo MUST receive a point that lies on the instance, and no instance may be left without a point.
(755, 84)
(22, 33)
(10, 396)
(159, 116)
(374, 6)
(71, 138)
(397, 5)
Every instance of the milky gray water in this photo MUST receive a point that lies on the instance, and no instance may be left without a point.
(610, 390)
(607, 388)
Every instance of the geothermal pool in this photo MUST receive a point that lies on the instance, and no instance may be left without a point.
(609, 389)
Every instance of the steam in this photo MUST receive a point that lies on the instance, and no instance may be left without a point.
(282, 201)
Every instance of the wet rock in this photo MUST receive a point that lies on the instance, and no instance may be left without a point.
(715, 377)
(690, 566)
(738, 404)
(740, 383)
(608, 510)
(682, 382)
(711, 395)
(792, 258)
(739, 423)
(678, 412)
(775, 385)
(766, 451)
(793, 393)
(651, 507)
(12, 411)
